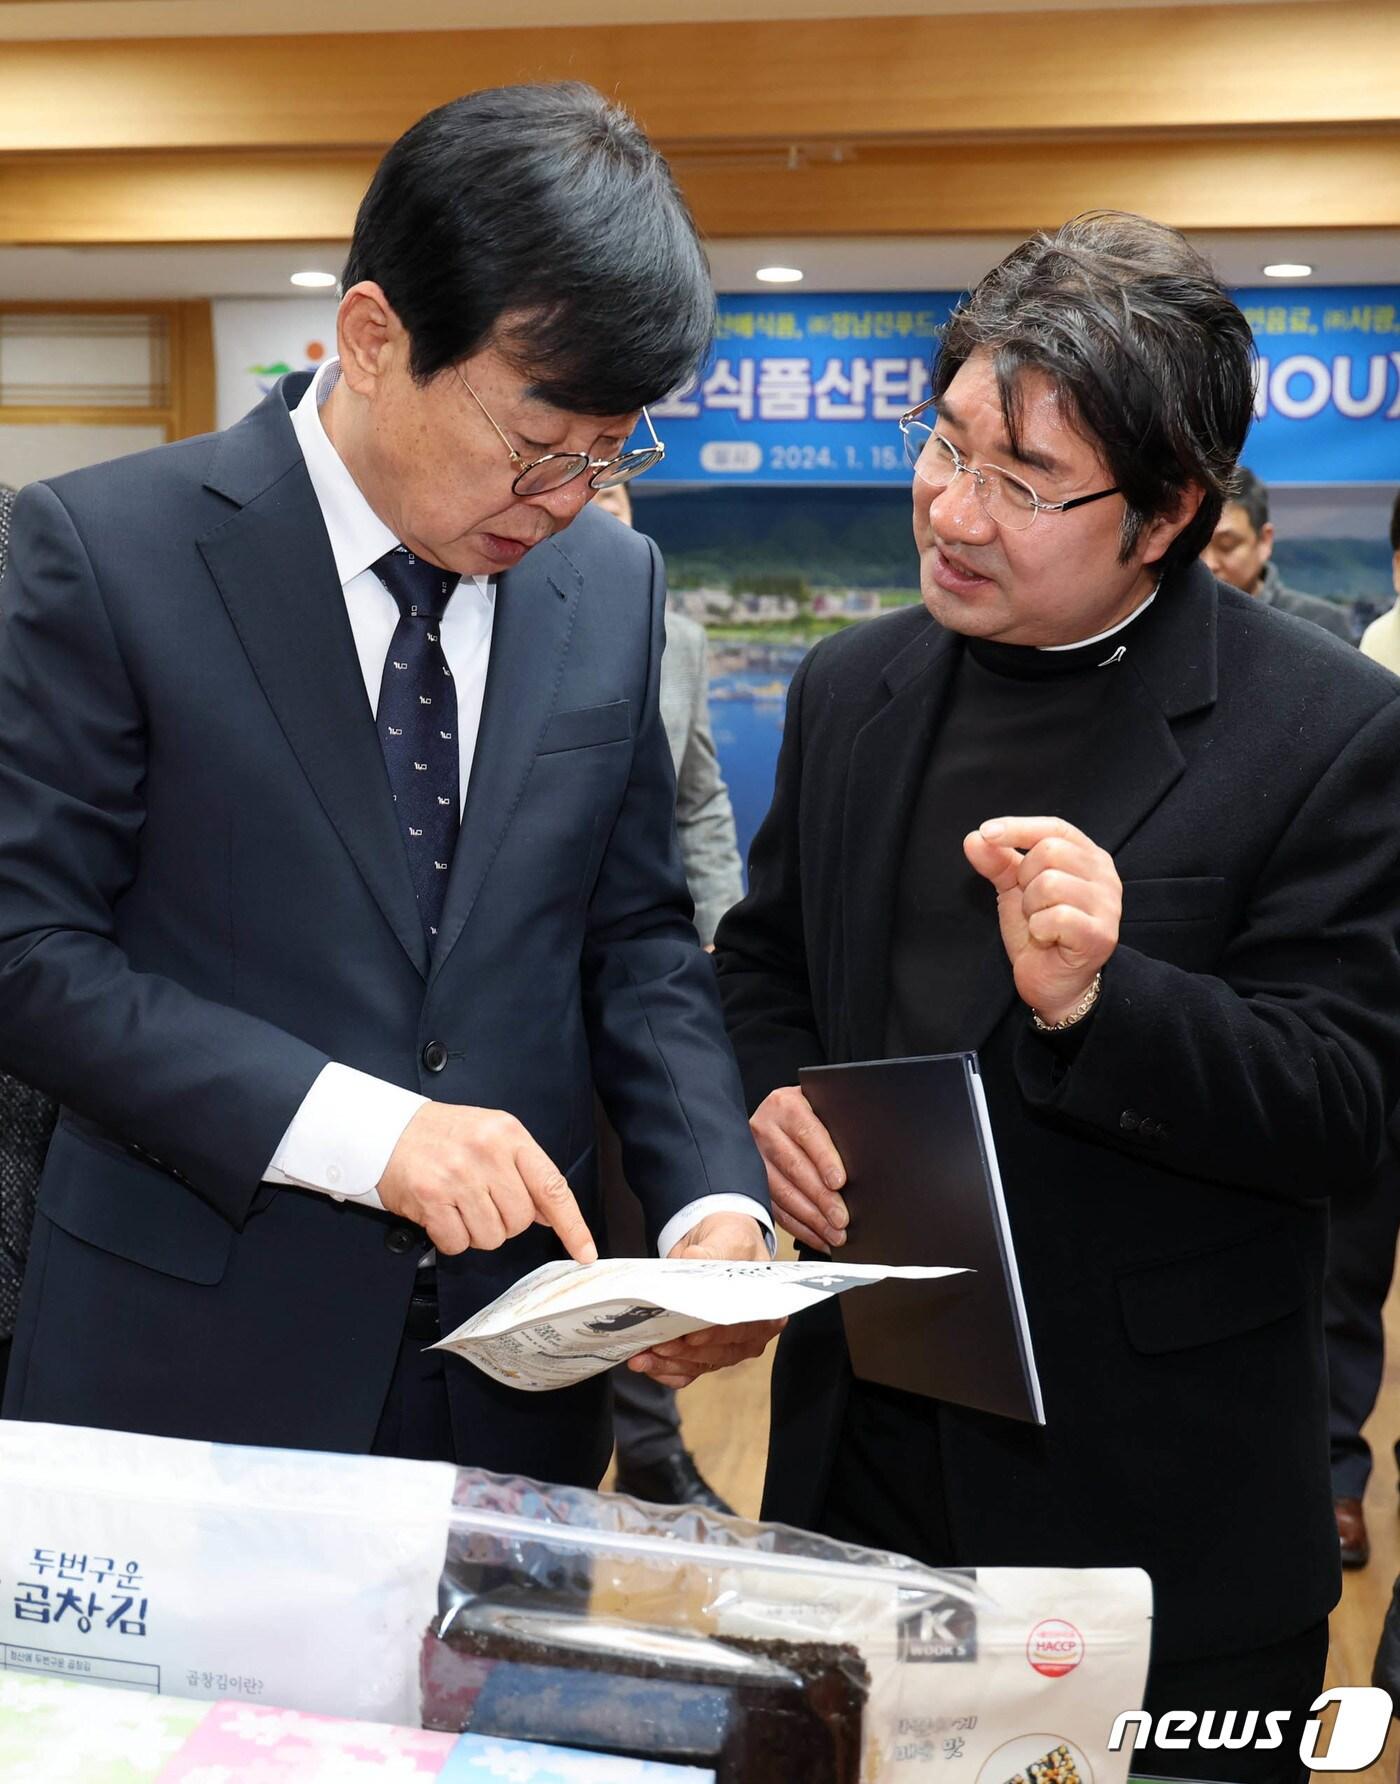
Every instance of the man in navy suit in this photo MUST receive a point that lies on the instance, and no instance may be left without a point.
(337, 846)
(26, 1123)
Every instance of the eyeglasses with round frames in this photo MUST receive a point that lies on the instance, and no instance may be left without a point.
(537, 476)
(1008, 499)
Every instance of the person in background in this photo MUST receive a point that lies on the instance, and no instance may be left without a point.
(1241, 551)
(26, 1125)
(1361, 1258)
(1085, 812)
(337, 838)
(1381, 639)
(652, 1459)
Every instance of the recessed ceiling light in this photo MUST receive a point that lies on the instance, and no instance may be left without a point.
(314, 281)
(1287, 269)
(779, 275)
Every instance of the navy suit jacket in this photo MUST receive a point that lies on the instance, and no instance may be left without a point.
(204, 898)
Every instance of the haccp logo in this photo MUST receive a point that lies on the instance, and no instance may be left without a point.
(1054, 1647)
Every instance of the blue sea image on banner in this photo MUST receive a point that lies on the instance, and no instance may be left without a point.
(748, 699)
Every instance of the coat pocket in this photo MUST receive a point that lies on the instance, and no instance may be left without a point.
(1191, 900)
(583, 726)
(96, 1191)
(1212, 1295)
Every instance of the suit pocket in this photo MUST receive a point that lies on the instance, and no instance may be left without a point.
(1194, 900)
(1212, 1295)
(96, 1191)
(584, 726)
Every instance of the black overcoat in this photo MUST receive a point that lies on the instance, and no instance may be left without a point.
(1167, 1184)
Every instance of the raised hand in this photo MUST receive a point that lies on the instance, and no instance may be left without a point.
(1059, 903)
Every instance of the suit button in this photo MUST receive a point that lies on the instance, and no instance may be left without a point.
(1129, 1122)
(435, 1056)
(399, 1239)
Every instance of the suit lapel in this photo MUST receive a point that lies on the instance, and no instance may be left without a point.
(887, 766)
(536, 606)
(273, 567)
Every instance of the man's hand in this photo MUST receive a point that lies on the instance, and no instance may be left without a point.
(804, 1169)
(677, 1364)
(724, 1235)
(1059, 902)
(473, 1178)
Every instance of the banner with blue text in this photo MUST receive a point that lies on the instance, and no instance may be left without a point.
(808, 389)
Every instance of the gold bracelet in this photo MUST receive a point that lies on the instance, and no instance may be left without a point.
(1077, 1014)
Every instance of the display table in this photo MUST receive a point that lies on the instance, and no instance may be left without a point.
(53, 1731)
(650, 1643)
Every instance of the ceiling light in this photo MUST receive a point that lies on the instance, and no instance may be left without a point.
(1287, 269)
(314, 281)
(778, 275)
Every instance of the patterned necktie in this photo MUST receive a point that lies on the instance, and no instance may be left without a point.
(417, 720)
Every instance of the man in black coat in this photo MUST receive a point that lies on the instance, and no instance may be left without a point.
(1131, 836)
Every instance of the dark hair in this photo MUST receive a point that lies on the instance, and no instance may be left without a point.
(1247, 492)
(1136, 332)
(546, 204)
(1395, 525)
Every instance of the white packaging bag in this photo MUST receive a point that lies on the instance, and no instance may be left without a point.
(205, 1570)
(999, 1675)
(566, 1322)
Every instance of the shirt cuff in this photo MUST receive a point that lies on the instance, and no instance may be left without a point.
(680, 1224)
(341, 1138)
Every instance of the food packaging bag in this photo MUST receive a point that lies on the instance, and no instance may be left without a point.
(209, 1570)
(988, 1675)
(348, 1585)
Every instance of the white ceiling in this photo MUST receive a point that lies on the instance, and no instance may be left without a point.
(937, 263)
(37, 20)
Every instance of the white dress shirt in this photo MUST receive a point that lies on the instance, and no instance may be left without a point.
(341, 1138)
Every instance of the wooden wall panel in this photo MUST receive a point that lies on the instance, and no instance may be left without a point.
(1329, 181)
(1222, 116)
(82, 199)
(1319, 62)
(1235, 183)
(193, 378)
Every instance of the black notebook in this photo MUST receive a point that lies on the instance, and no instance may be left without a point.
(922, 1187)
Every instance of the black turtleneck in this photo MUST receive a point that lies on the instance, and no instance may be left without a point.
(1016, 730)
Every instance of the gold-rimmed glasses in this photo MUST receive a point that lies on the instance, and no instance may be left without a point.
(1008, 499)
(537, 476)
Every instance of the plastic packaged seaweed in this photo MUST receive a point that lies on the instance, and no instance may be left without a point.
(641, 1625)
(396, 1591)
